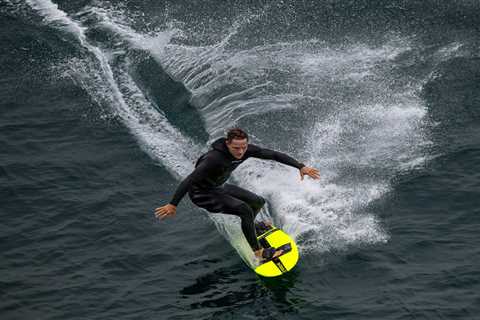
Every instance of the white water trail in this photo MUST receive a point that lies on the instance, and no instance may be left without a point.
(153, 131)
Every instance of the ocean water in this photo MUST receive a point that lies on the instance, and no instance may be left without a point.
(106, 105)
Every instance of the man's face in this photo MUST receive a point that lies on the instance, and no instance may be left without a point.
(237, 147)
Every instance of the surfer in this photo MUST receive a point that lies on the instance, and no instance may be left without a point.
(207, 187)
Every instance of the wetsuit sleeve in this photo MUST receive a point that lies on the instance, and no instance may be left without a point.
(181, 191)
(262, 153)
(202, 171)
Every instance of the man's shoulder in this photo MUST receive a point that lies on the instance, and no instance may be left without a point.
(253, 147)
(213, 157)
(253, 150)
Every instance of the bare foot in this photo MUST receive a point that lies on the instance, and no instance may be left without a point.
(259, 254)
(277, 253)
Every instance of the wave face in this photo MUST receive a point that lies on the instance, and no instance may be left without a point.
(361, 91)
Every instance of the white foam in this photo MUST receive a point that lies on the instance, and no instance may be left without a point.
(321, 215)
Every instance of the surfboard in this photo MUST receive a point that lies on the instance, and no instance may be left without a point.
(271, 236)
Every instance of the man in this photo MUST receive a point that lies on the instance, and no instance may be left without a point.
(207, 188)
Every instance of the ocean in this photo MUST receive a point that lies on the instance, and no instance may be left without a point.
(106, 105)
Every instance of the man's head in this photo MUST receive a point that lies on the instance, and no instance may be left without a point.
(237, 142)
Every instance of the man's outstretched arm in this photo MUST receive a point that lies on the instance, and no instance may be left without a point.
(170, 209)
(200, 172)
(267, 154)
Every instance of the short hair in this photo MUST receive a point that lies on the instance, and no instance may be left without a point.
(236, 133)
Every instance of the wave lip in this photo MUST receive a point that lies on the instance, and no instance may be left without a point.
(58, 18)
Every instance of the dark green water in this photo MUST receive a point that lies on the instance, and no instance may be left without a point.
(106, 105)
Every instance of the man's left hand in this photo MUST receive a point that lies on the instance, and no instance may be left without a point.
(309, 171)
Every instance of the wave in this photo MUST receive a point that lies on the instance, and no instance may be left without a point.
(341, 109)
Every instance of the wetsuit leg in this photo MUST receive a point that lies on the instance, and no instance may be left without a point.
(247, 216)
(219, 200)
(255, 201)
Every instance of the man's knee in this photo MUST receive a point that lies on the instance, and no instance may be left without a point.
(244, 211)
(261, 202)
(258, 204)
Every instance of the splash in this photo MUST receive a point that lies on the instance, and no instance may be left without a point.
(360, 130)
(334, 108)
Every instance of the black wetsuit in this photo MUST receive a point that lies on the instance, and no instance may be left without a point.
(207, 188)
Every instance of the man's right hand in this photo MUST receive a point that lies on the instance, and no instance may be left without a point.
(165, 211)
(311, 172)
